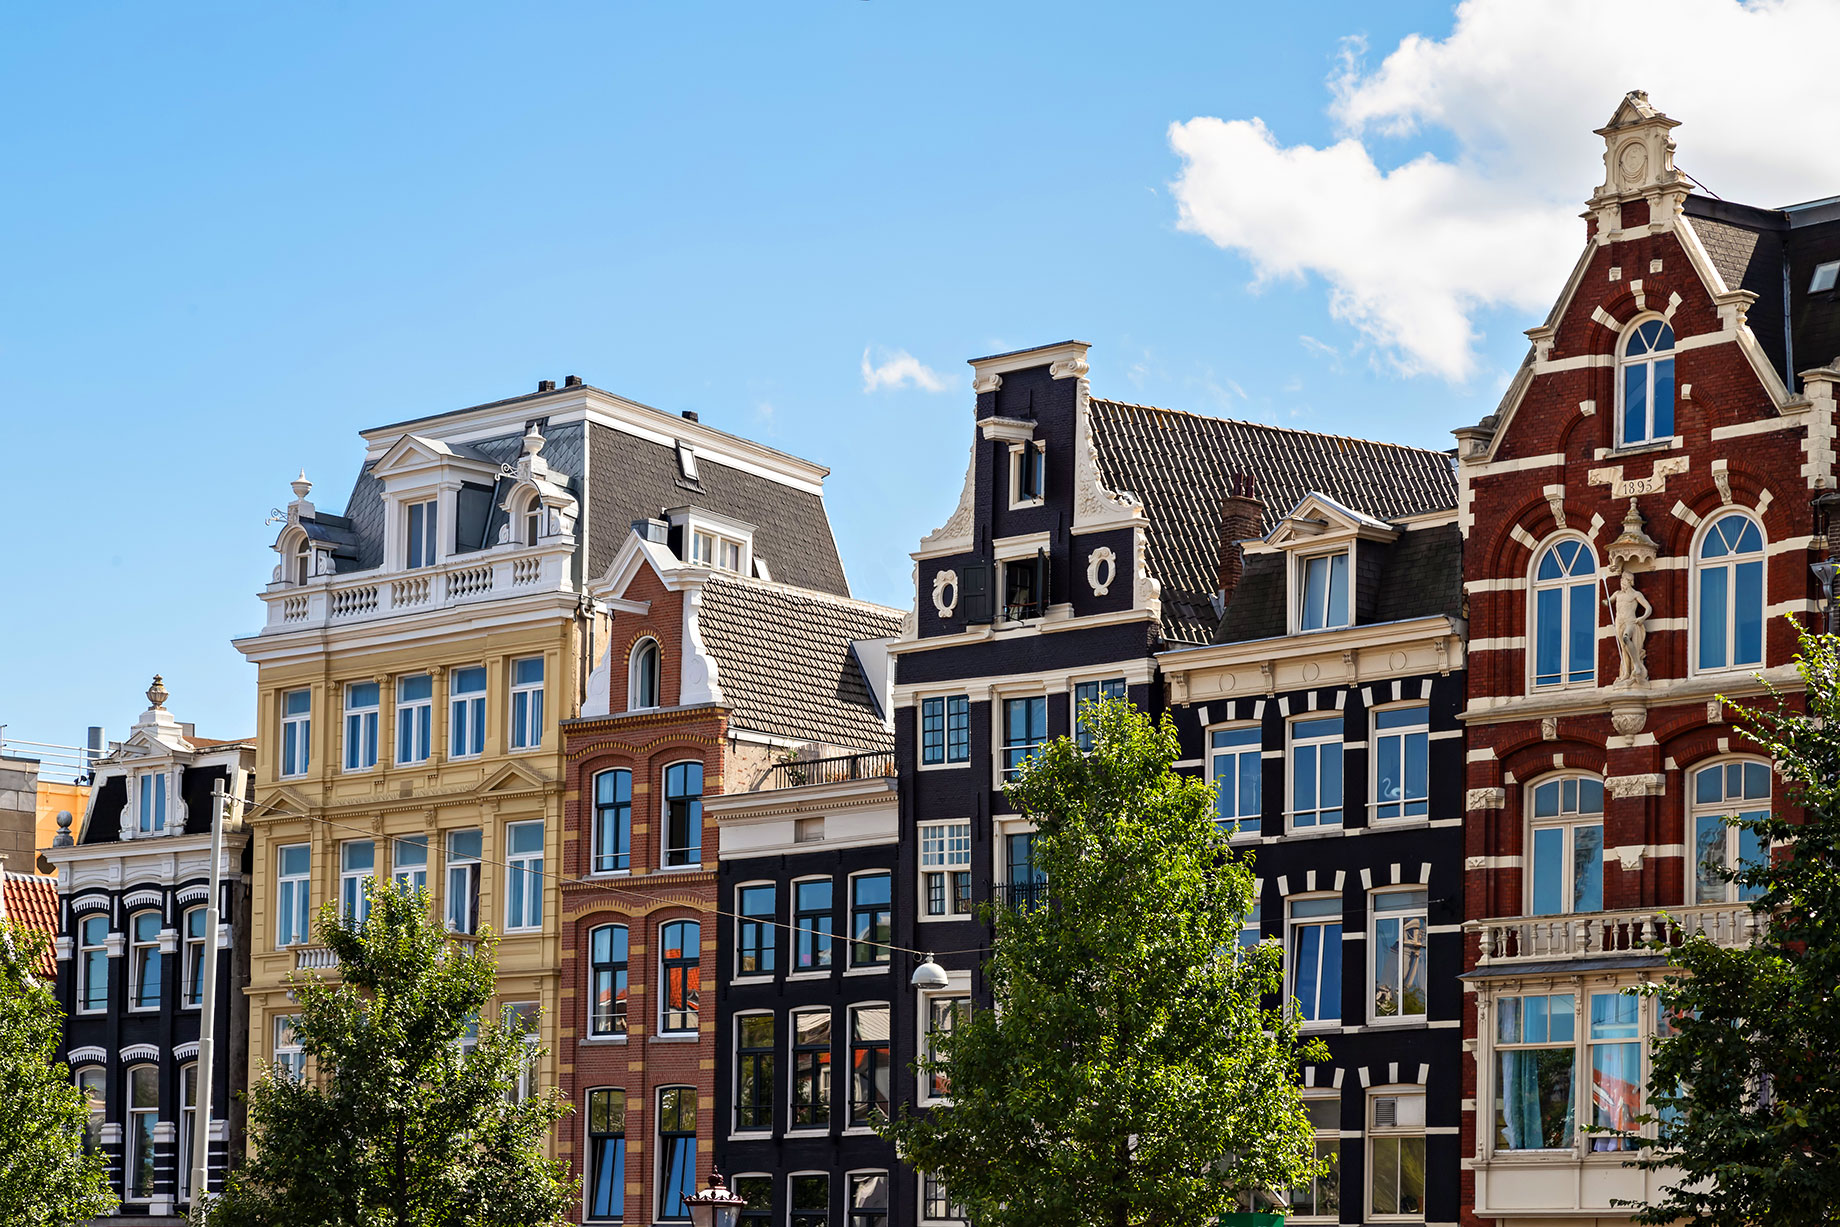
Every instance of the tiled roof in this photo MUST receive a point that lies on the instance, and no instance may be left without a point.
(1180, 465)
(32, 903)
(1420, 575)
(784, 664)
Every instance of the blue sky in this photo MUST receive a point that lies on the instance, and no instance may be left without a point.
(235, 235)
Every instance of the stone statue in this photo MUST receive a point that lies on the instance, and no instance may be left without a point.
(1629, 613)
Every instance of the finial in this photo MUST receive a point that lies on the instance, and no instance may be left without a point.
(62, 839)
(302, 487)
(157, 693)
(533, 441)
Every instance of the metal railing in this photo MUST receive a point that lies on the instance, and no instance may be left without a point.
(797, 773)
(1595, 934)
(1024, 896)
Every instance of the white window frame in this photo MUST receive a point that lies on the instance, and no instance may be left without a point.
(946, 867)
(799, 928)
(1300, 588)
(1319, 1138)
(461, 871)
(354, 901)
(421, 549)
(286, 1056)
(636, 662)
(528, 698)
(958, 988)
(1374, 919)
(793, 1013)
(618, 1023)
(155, 802)
(188, 1128)
(1650, 359)
(524, 869)
(1291, 773)
(1256, 750)
(407, 872)
(530, 1013)
(293, 899)
(1039, 448)
(717, 550)
(945, 702)
(466, 713)
(1568, 824)
(533, 525)
(999, 710)
(191, 987)
(1731, 845)
(362, 729)
(131, 1138)
(595, 852)
(1113, 687)
(664, 979)
(139, 951)
(830, 1182)
(1293, 922)
(1402, 734)
(883, 959)
(589, 1156)
(1375, 1133)
(84, 962)
(693, 850)
(768, 925)
(1489, 1067)
(922, 1182)
(296, 735)
(414, 721)
(92, 1082)
(850, 1012)
(1730, 563)
(1564, 584)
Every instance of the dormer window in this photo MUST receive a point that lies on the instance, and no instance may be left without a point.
(709, 549)
(303, 562)
(422, 519)
(1322, 592)
(532, 520)
(153, 803)
(1646, 384)
(1028, 463)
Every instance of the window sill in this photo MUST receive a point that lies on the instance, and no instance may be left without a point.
(1665, 443)
(942, 766)
(675, 1037)
(1315, 832)
(881, 970)
(525, 931)
(603, 1041)
(809, 975)
(861, 1131)
(610, 873)
(808, 1132)
(1396, 1024)
(679, 868)
(743, 981)
(751, 1135)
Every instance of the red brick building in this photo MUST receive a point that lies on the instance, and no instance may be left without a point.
(711, 675)
(1638, 514)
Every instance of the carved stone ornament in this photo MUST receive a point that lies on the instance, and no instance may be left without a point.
(1629, 614)
(1094, 506)
(1722, 479)
(986, 383)
(1549, 729)
(1628, 719)
(1715, 712)
(1625, 786)
(1069, 368)
(1633, 549)
(945, 593)
(1630, 858)
(1485, 798)
(1101, 569)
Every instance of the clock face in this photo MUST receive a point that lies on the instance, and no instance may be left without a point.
(1633, 161)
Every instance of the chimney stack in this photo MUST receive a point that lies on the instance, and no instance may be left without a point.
(571, 381)
(690, 415)
(1242, 518)
(546, 385)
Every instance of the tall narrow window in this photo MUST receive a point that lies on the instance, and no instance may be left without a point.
(1026, 884)
(153, 803)
(293, 893)
(1729, 568)
(296, 731)
(945, 730)
(606, 1156)
(1535, 1087)
(527, 703)
(811, 1069)
(290, 1059)
(1616, 1067)
(1316, 772)
(145, 960)
(410, 871)
(613, 821)
(756, 943)
(463, 850)
(188, 1127)
(607, 951)
(357, 866)
(414, 718)
(643, 688)
(93, 963)
(92, 1082)
(1316, 959)
(811, 1201)
(754, 1047)
(869, 1047)
(194, 955)
(1024, 581)
(1647, 383)
(680, 973)
(1025, 728)
(1027, 472)
(523, 876)
(1396, 1154)
(1322, 592)
(361, 706)
(1565, 615)
(676, 1151)
(1740, 790)
(143, 1119)
(1399, 950)
(1234, 766)
(945, 868)
(303, 562)
(1085, 694)
(1568, 846)
(1402, 762)
(813, 924)
(533, 520)
(943, 1015)
(1321, 1198)
(871, 919)
(523, 1018)
(683, 814)
(869, 1199)
(419, 542)
(466, 689)
(756, 1194)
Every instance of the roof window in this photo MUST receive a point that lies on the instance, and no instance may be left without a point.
(686, 460)
(1824, 276)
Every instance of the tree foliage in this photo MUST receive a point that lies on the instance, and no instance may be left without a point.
(47, 1178)
(1130, 1074)
(394, 1126)
(1745, 1092)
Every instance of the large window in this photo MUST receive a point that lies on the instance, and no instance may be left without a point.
(754, 1046)
(936, 1204)
(357, 866)
(871, 919)
(1616, 1066)
(642, 688)
(869, 1045)
(1321, 1198)
(1646, 389)
(813, 924)
(415, 718)
(466, 689)
(194, 955)
(1567, 837)
(1402, 762)
(1025, 728)
(523, 876)
(1396, 1154)
(943, 1015)
(1026, 884)
(1535, 1080)
(1742, 790)
(289, 1058)
(296, 730)
(152, 788)
(683, 814)
(1024, 587)
(1322, 592)
(756, 1194)
(418, 541)
(1397, 935)
(680, 974)
(144, 960)
(1234, 769)
(613, 821)
(945, 868)
(811, 1069)
(811, 1201)
(1728, 629)
(606, 1156)
(361, 706)
(463, 852)
(1085, 693)
(188, 1126)
(756, 941)
(93, 964)
(293, 903)
(1565, 615)
(1316, 772)
(676, 1151)
(607, 953)
(527, 703)
(409, 868)
(143, 1119)
(868, 1199)
(945, 730)
(1316, 958)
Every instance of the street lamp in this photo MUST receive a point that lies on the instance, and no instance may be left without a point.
(715, 1206)
(930, 976)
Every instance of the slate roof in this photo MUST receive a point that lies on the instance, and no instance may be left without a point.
(784, 664)
(1180, 464)
(1420, 575)
(31, 902)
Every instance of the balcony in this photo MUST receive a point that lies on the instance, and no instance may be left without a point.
(316, 958)
(465, 579)
(1529, 939)
(802, 772)
(1022, 896)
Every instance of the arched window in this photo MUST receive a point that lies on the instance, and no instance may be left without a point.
(1646, 383)
(92, 1081)
(680, 952)
(1565, 614)
(302, 561)
(1565, 841)
(1740, 789)
(613, 821)
(1728, 587)
(642, 685)
(143, 1118)
(532, 520)
(607, 980)
(144, 961)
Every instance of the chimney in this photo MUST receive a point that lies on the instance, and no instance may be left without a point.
(655, 531)
(1242, 518)
(546, 385)
(690, 415)
(571, 381)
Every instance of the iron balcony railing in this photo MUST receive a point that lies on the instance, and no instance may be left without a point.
(1024, 896)
(800, 772)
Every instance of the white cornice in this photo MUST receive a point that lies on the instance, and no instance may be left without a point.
(1363, 638)
(737, 808)
(410, 628)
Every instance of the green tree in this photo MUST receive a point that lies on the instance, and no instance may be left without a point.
(48, 1178)
(395, 1126)
(1745, 1092)
(1130, 1074)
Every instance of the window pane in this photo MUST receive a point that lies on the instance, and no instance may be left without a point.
(1635, 403)
(1315, 592)
(1588, 868)
(1747, 614)
(1548, 869)
(1533, 1098)
(1581, 648)
(1664, 398)
(1712, 616)
(1338, 590)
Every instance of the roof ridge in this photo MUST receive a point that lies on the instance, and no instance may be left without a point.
(751, 581)
(1291, 430)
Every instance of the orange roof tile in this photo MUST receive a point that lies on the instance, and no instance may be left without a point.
(32, 903)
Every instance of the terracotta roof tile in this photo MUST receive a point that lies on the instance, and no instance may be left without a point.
(32, 903)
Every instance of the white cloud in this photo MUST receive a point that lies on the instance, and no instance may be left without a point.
(897, 369)
(1412, 245)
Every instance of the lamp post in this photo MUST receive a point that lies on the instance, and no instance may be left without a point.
(207, 1020)
(715, 1206)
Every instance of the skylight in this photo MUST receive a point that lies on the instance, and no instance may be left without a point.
(1824, 276)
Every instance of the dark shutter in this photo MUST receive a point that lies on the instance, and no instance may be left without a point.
(977, 593)
(473, 509)
(1042, 572)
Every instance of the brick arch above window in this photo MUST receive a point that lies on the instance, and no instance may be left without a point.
(1535, 758)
